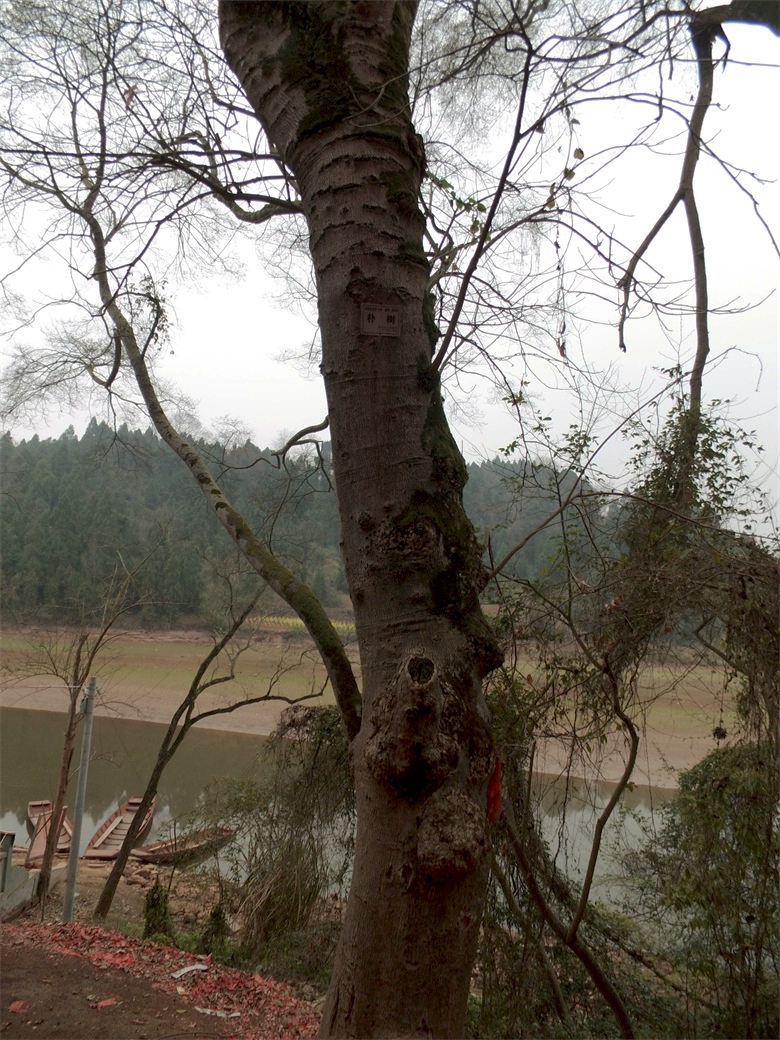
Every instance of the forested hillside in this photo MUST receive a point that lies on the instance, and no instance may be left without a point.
(77, 514)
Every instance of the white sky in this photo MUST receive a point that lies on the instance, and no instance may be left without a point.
(227, 336)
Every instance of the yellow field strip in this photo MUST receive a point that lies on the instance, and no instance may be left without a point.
(295, 622)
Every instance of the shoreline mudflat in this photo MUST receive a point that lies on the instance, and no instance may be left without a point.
(129, 701)
(662, 753)
(146, 675)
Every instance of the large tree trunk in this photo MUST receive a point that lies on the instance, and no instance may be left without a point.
(328, 80)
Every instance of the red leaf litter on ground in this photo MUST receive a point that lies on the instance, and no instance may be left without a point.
(108, 1002)
(266, 1008)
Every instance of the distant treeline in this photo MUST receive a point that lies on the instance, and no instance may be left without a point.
(80, 514)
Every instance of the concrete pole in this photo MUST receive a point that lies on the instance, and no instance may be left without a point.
(87, 705)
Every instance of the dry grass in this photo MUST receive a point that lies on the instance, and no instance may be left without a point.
(144, 675)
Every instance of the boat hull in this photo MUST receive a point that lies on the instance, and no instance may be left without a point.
(185, 849)
(35, 810)
(107, 839)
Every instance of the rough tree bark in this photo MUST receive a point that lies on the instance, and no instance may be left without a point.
(328, 81)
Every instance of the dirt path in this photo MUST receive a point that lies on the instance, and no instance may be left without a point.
(79, 980)
(76, 982)
(47, 994)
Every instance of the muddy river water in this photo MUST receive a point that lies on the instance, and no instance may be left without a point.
(124, 751)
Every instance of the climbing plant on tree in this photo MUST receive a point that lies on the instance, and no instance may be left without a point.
(329, 85)
(145, 136)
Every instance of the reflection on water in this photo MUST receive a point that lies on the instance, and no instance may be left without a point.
(558, 795)
(123, 753)
(568, 813)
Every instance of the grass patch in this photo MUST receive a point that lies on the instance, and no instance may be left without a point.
(303, 957)
(135, 664)
(295, 623)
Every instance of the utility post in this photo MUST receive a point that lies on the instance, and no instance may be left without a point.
(87, 705)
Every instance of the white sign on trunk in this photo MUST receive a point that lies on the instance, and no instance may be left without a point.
(378, 320)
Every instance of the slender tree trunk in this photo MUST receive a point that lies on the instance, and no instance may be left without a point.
(69, 740)
(106, 898)
(269, 567)
(181, 723)
(328, 81)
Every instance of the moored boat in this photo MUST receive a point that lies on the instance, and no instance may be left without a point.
(107, 839)
(35, 851)
(34, 811)
(185, 848)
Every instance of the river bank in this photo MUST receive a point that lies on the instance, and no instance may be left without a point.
(144, 676)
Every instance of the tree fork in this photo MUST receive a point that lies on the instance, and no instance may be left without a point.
(284, 583)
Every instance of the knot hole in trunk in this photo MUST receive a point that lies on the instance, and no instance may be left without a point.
(410, 750)
(420, 669)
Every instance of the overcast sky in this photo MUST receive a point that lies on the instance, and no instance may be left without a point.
(226, 337)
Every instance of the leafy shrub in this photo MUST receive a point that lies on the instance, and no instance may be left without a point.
(710, 878)
(215, 939)
(157, 914)
(302, 956)
(294, 839)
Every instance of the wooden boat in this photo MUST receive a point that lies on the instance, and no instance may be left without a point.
(107, 839)
(34, 811)
(185, 848)
(37, 847)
